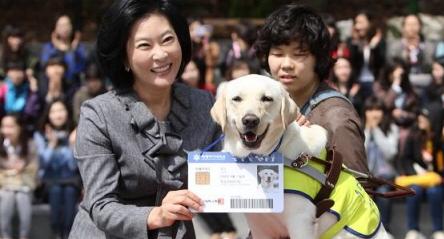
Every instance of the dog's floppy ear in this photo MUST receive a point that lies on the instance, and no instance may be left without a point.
(289, 109)
(219, 111)
(261, 173)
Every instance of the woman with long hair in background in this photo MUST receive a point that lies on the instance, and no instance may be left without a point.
(58, 168)
(18, 171)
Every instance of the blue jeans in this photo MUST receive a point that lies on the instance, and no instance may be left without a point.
(63, 203)
(413, 204)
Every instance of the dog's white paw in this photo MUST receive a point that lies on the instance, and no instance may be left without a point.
(315, 138)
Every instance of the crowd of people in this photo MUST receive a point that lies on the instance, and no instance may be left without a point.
(39, 106)
(396, 87)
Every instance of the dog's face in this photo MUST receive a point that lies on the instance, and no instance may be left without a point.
(254, 110)
(268, 176)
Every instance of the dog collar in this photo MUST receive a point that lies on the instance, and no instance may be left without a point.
(277, 146)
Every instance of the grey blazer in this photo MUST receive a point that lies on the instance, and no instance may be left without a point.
(129, 161)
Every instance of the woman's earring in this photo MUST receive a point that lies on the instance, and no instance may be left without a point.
(127, 69)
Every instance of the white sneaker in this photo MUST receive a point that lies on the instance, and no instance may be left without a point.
(414, 234)
(438, 235)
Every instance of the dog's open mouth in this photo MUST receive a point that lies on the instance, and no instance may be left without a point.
(252, 140)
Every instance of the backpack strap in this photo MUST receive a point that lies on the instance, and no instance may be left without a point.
(320, 96)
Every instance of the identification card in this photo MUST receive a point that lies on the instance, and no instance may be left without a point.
(230, 184)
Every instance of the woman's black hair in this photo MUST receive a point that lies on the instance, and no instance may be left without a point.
(384, 79)
(93, 72)
(201, 81)
(115, 30)
(330, 21)
(421, 24)
(246, 31)
(296, 23)
(8, 54)
(374, 103)
(56, 60)
(352, 78)
(235, 65)
(15, 65)
(23, 137)
(60, 15)
(372, 19)
(44, 120)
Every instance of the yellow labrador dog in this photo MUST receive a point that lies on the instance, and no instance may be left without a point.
(255, 112)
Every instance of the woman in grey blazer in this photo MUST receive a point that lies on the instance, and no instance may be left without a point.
(131, 141)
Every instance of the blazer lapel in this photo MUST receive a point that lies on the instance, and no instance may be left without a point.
(180, 106)
(156, 138)
(161, 144)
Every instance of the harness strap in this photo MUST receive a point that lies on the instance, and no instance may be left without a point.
(333, 167)
(307, 170)
(332, 172)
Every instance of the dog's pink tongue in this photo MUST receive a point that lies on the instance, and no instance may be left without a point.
(249, 137)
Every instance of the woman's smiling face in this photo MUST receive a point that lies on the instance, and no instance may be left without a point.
(154, 54)
(58, 114)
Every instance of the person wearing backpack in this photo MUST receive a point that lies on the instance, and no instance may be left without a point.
(294, 46)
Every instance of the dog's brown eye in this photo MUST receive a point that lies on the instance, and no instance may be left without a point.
(266, 99)
(237, 99)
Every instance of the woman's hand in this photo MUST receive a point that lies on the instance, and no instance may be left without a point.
(59, 44)
(76, 40)
(175, 206)
(19, 165)
(33, 85)
(72, 138)
(355, 89)
(398, 113)
(376, 38)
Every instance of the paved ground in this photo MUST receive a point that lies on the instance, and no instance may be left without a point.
(41, 230)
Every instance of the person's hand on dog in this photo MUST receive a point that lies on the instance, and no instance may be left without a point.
(175, 206)
(302, 121)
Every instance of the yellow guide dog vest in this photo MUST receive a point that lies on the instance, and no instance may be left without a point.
(355, 210)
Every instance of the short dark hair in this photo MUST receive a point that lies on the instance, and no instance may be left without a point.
(15, 65)
(93, 72)
(294, 22)
(115, 29)
(56, 60)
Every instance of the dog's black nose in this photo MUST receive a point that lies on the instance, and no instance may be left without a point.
(250, 121)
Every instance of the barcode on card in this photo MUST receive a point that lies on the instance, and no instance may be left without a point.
(251, 203)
